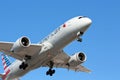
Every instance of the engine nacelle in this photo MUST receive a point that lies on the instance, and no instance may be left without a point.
(77, 59)
(20, 44)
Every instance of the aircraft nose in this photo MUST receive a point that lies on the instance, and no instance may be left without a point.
(86, 22)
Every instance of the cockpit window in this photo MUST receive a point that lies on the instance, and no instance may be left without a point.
(80, 17)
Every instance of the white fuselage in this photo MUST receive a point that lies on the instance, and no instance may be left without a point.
(56, 41)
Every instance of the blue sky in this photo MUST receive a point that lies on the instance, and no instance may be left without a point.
(37, 18)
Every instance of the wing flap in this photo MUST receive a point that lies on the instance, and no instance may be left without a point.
(75, 68)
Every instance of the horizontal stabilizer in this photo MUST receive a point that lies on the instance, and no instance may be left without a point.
(1, 76)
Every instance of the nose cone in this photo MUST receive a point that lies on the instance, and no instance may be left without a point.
(86, 22)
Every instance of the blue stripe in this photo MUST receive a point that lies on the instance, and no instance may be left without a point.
(6, 60)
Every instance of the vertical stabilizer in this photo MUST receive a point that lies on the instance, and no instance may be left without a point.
(6, 62)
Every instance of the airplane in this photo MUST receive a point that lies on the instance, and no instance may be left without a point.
(48, 53)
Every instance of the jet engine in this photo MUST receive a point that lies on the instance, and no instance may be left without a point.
(77, 59)
(20, 44)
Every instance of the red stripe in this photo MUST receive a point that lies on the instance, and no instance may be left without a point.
(2, 59)
(6, 74)
(4, 63)
(5, 67)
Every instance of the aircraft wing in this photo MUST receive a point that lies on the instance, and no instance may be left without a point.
(5, 47)
(61, 60)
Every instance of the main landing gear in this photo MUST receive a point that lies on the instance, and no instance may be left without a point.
(50, 71)
(24, 65)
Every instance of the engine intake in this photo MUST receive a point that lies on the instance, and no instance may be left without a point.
(20, 44)
(77, 59)
(25, 41)
(82, 57)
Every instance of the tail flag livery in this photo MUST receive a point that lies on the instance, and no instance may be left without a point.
(6, 63)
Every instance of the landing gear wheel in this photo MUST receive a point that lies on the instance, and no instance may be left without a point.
(50, 72)
(23, 66)
(20, 67)
(78, 36)
(53, 71)
(47, 73)
(79, 39)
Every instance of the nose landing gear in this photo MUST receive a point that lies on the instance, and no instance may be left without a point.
(79, 39)
(78, 36)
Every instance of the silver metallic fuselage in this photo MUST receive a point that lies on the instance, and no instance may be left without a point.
(56, 41)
